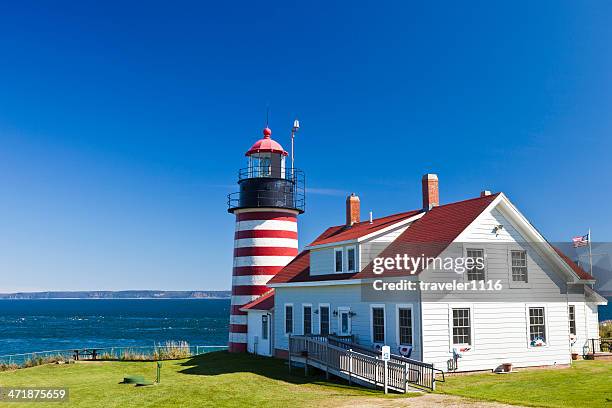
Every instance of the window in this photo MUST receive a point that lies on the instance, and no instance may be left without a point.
(307, 320)
(264, 327)
(405, 325)
(288, 319)
(519, 266)
(537, 325)
(462, 331)
(476, 273)
(324, 322)
(378, 324)
(572, 319)
(350, 261)
(338, 260)
(344, 321)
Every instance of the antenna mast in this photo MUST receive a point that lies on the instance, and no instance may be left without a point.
(294, 129)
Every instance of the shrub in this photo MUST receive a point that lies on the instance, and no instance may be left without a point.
(172, 350)
(605, 329)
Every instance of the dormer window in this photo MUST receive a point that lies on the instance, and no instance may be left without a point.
(338, 267)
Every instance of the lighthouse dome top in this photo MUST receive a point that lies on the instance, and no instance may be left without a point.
(266, 145)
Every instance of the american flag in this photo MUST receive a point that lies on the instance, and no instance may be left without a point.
(581, 241)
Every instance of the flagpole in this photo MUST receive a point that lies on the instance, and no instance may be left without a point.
(590, 253)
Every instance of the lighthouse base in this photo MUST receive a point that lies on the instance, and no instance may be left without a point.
(237, 347)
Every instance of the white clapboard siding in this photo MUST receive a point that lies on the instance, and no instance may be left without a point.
(340, 296)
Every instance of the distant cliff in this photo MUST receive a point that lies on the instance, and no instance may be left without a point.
(124, 294)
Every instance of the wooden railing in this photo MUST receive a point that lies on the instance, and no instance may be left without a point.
(599, 346)
(361, 363)
(419, 373)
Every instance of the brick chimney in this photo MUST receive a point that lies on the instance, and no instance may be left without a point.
(431, 196)
(352, 209)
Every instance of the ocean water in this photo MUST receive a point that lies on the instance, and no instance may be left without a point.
(40, 325)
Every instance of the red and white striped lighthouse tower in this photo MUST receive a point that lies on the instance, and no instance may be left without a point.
(266, 207)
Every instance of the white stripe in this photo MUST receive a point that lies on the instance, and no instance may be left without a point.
(262, 260)
(251, 280)
(238, 337)
(266, 225)
(266, 242)
(240, 300)
(238, 319)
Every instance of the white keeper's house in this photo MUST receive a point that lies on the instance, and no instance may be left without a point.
(546, 309)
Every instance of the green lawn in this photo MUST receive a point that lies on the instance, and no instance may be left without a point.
(586, 384)
(237, 380)
(216, 379)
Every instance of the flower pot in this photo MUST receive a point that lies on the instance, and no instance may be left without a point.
(574, 356)
(507, 367)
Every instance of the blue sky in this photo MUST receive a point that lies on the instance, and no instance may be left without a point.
(122, 125)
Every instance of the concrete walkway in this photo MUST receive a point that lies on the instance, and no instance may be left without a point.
(423, 401)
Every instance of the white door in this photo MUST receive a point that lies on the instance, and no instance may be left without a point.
(344, 321)
(264, 347)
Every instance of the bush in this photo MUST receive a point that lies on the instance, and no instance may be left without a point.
(172, 350)
(605, 329)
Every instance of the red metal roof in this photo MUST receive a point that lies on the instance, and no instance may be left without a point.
(266, 145)
(432, 233)
(264, 302)
(579, 271)
(343, 232)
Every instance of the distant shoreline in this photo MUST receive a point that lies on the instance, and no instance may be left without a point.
(126, 294)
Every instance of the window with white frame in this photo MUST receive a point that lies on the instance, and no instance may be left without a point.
(537, 324)
(572, 319)
(378, 324)
(462, 328)
(324, 319)
(404, 326)
(307, 319)
(288, 319)
(519, 266)
(338, 267)
(351, 259)
(477, 272)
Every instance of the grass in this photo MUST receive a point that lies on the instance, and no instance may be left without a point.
(215, 379)
(585, 384)
(221, 379)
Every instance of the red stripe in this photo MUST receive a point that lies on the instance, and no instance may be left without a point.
(238, 328)
(237, 347)
(260, 233)
(265, 251)
(235, 310)
(256, 270)
(266, 215)
(254, 290)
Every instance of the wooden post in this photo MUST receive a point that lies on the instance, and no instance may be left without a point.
(386, 377)
(350, 355)
(326, 363)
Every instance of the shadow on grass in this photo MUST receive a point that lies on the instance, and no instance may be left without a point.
(222, 362)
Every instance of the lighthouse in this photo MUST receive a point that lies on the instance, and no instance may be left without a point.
(270, 197)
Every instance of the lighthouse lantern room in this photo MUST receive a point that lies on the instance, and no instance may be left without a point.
(266, 206)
